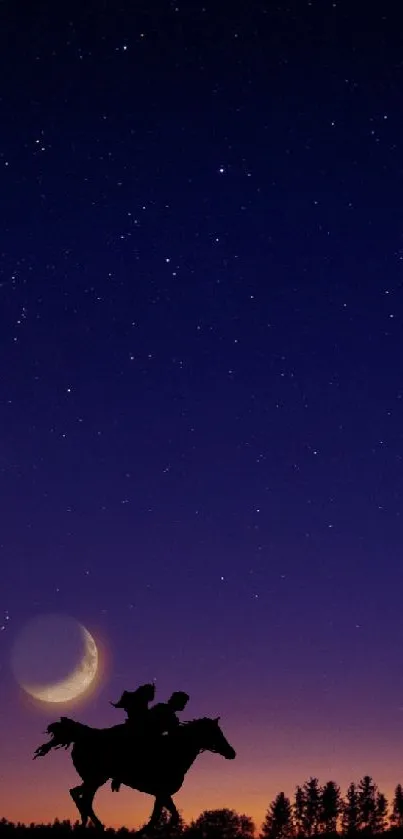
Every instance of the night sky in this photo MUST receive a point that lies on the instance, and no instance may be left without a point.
(201, 380)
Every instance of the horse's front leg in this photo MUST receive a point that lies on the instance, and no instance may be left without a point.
(170, 806)
(155, 815)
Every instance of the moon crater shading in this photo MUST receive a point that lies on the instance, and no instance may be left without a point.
(55, 659)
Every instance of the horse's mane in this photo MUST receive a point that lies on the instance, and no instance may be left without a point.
(198, 724)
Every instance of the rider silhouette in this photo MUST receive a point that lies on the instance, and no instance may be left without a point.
(160, 720)
(136, 703)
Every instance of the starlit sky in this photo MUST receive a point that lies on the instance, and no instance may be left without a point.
(201, 450)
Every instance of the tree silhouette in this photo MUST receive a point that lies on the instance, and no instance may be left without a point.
(380, 822)
(367, 804)
(362, 813)
(330, 807)
(312, 794)
(350, 811)
(160, 829)
(396, 816)
(278, 823)
(299, 809)
(221, 824)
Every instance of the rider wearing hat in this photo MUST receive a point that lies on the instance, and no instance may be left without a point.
(136, 703)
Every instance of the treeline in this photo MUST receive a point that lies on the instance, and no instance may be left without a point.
(322, 810)
(314, 811)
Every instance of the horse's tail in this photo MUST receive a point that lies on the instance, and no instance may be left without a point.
(63, 733)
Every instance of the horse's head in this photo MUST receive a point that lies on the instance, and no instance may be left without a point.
(212, 739)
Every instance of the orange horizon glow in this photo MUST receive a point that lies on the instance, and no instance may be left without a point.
(132, 809)
(39, 791)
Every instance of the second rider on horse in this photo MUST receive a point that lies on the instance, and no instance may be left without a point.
(149, 724)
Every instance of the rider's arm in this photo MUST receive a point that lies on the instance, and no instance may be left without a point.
(174, 723)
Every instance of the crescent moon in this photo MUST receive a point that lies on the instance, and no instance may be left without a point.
(77, 682)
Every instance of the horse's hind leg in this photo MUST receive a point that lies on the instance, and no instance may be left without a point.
(170, 806)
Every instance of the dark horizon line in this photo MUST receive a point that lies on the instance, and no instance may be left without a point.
(316, 810)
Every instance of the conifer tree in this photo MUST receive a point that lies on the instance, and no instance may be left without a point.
(380, 821)
(330, 807)
(278, 823)
(299, 809)
(312, 794)
(366, 803)
(396, 817)
(350, 812)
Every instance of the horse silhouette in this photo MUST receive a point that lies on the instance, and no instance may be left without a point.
(158, 769)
